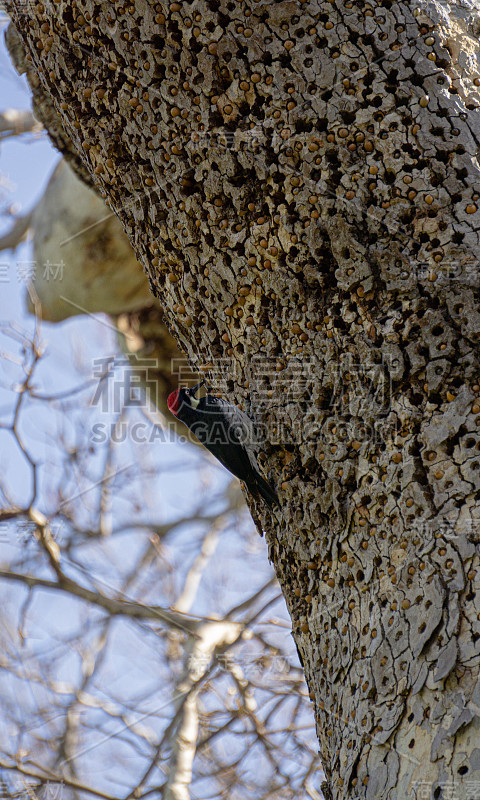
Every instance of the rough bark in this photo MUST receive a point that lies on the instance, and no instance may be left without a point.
(300, 182)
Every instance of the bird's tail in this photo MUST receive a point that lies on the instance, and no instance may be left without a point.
(267, 492)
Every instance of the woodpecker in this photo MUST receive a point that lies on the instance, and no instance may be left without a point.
(226, 432)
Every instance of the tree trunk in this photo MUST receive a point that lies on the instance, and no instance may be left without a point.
(300, 182)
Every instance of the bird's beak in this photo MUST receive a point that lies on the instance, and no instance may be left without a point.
(193, 391)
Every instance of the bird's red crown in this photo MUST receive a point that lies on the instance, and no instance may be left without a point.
(173, 401)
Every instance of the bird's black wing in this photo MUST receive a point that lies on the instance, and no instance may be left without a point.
(231, 437)
(229, 424)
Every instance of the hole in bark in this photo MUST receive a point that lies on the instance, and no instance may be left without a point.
(158, 42)
(417, 79)
(411, 150)
(441, 155)
(303, 126)
(259, 102)
(216, 119)
(368, 79)
(407, 216)
(348, 117)
(436, 180)
(462, 770)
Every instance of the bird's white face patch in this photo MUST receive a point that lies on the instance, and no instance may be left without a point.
(194, 401)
